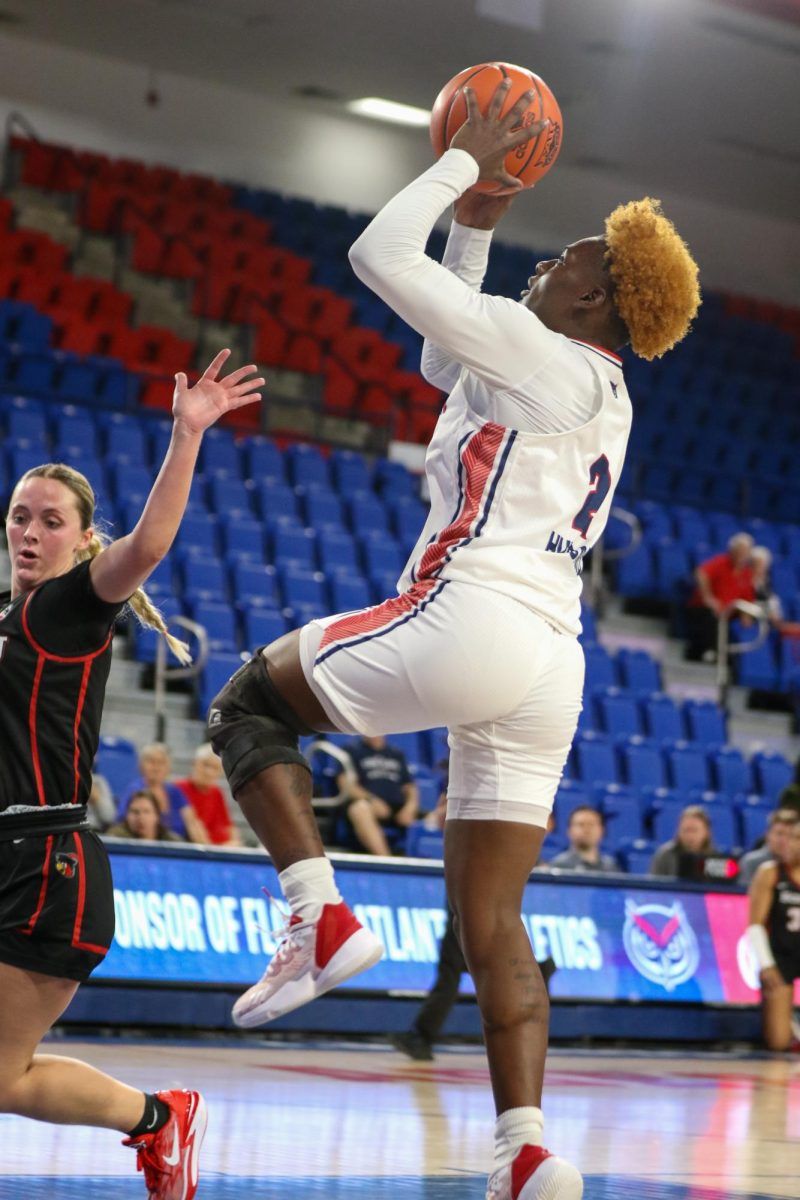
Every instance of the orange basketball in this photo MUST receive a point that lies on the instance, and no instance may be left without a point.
(528, 162)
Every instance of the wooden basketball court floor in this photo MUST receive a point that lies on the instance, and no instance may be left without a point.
(349, 1122)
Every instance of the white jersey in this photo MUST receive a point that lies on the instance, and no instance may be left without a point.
(530, 445)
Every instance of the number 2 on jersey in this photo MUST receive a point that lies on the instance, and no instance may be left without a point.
(600, 478)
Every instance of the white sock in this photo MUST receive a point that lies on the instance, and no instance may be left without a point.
(514, 1128)
(308, 885)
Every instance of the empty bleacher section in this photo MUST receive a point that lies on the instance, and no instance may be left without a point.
(276, 534)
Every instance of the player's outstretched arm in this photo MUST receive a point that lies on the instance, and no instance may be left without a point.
(125, 564)
(761, 893)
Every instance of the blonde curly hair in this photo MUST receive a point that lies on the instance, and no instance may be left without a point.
(656, 289)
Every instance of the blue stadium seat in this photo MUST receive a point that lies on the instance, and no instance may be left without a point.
(757, 669)
(725, 828)
(429, 787)
(322, 508)
(160, 581)
(618, 712)
(117, 760)
(145, 640)
(638, 670)
(219, 452)
(292, 546)
(599, 667)
(132, 483)
(730, 771)
(276, 499)
(634, 575)
(772, 773)
(594, 758)
(705, 722)
(381, 556)
(262, 626)
(216, 674)
(408, 515)
(552, 845)
(198, 534)
(219, 623)
(424, 843)
(569, 796)
(30, 423)
(393, 479)
(338, 553)
(665, 815)
(753, 821)
(367, 515)
(35, 374)
(125, 439)
(228, 494)
(588, 624)
(672, 566)
(243, 537)
(262, 460)
(203, 578)
(688, 767)
(301, 587)
(636, 856)
(622, 812)
(307, 466)
(350, 471)
(663, 717)
(253, 584)
(412, 745)
(643, 763)
(348, 592)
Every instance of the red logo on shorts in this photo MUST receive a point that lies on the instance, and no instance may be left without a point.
(67, 865)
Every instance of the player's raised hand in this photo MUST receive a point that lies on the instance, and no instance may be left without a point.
(200, 406)
(489, 137)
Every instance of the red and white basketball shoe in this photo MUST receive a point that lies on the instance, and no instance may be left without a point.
(535, 1174)
(170, 1157)
(312, 957)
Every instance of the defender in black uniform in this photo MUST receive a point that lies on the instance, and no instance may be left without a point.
(56, 899)
(774, 935)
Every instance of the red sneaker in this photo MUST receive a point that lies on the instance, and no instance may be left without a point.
(312, 957)
(536, 1174)
(169, 1158)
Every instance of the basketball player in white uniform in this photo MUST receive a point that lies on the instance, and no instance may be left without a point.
(482, 637)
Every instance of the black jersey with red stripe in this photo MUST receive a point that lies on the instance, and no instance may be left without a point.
(783, 922)
(55, 655)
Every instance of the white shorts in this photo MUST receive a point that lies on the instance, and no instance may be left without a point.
(504, 682)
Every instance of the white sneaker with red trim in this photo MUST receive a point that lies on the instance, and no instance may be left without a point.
(312, 957)
(535, 1174)
(170, 1158)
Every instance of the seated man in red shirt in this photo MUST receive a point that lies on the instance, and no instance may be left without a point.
(720, 580)
(206, 797)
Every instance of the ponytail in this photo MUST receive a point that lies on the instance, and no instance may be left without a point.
(141, 604)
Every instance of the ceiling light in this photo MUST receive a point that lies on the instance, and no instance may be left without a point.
(388, 110)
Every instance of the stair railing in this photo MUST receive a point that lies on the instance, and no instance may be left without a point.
(602, 554)
(165, 674)
(726, 649)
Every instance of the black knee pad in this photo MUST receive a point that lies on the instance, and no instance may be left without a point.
(251, 727)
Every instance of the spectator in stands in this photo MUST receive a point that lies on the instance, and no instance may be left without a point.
(379, 793)
(177, 814)
(143, 819)
(692, 842)
(761, 564)
(781, 823)
(207, 800)
(720, 581)
(585, 832)
(101, 810)
(790, 796)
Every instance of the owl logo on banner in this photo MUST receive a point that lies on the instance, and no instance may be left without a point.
(660, 943)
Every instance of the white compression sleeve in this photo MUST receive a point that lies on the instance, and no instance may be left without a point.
(759, 944)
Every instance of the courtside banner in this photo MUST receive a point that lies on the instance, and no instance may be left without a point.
(185, 917)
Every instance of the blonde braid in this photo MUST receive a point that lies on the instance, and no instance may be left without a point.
(141, 604)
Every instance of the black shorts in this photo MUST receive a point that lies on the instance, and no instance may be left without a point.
(789, 969)
(56, 904)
